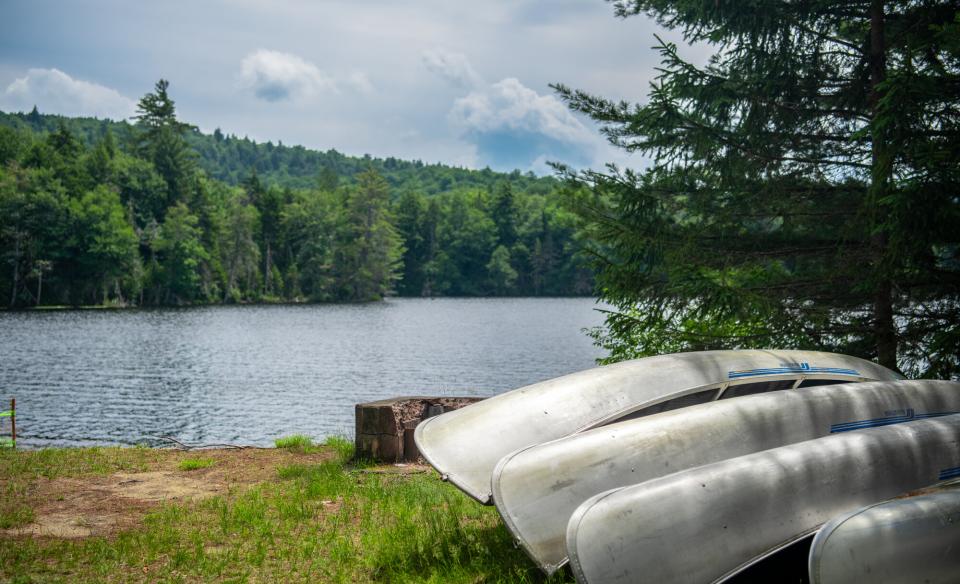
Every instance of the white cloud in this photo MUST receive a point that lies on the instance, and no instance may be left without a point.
(53, 91)
(510, 125)
(360, 82)
(453, 67)
(510, 105)
(277, 76)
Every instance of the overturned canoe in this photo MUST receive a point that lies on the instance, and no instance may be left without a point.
(914, 538)
(537, 489)
(707, 523)
(466, 444)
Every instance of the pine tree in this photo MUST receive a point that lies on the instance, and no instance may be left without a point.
(181, 255)
(162, 142)
(157, 112)
(411, 212)
(501, 273)
(100, 160)
(369, 253)
(106, 246)
(309, 225)
(11, 145)
(504, 214)
(35, 119)
(240, 253)
(804, 186)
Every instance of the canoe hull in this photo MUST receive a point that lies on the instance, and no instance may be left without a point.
(741, 509)
(466, 444)
(538, 488)
(900, 541)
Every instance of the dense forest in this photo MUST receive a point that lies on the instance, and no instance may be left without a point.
(153, 212)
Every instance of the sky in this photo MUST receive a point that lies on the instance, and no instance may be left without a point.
(461, 83)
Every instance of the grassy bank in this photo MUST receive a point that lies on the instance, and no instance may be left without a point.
(297, 514)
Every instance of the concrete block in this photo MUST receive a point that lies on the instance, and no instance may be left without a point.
(384, 428)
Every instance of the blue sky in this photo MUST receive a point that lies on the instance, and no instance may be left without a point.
(453, 82)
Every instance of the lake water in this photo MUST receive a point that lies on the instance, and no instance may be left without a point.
(248, 374)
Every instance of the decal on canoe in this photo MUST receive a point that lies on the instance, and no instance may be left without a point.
(788, 368)
(906, 416)
(949, 473)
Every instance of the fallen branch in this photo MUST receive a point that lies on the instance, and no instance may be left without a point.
(184, 446)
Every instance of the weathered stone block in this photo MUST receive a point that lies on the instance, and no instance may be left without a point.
(384, 428)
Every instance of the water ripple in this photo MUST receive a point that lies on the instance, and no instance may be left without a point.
(249, 374)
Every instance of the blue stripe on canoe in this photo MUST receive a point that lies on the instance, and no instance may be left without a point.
(949, 473)
(875, 422)
(799, 368)
(936, 414)
(847, 426)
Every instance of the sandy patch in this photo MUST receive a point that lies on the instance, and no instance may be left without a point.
(161, 486)
(103, 505)
(71, 508)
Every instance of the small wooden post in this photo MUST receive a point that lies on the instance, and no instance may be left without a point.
(13, 421)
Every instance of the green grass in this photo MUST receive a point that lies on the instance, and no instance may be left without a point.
(19, 469)
(303, 444)
(341, 446)
(15, 508)
(195, 463)
(295, 442)
(53, 463)
(326, 522)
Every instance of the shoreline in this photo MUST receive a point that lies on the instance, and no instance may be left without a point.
(133, 307)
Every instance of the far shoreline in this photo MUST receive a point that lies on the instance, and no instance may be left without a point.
(134, 307)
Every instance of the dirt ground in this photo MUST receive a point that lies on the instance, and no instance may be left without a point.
(103, 505)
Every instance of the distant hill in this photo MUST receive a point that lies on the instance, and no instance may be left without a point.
(230, 159)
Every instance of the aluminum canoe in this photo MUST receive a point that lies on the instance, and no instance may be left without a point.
(705, 524)
(537, 489)
(465, 445)
(914, 538)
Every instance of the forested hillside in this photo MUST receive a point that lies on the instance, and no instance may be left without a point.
(154, 212)
(230, 159)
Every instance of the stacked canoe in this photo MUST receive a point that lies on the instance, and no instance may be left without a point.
(693, 467)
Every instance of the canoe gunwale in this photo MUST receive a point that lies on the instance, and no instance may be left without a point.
(483, 499)
(512, 527)
(582, 510)
(447, 448)
(759, 558)
(824, 533)
(721, 388)
(573, 526)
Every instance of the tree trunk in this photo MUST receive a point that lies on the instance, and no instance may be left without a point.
(267, 274)
(16, 269)
(39, 286)
(884, 329)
